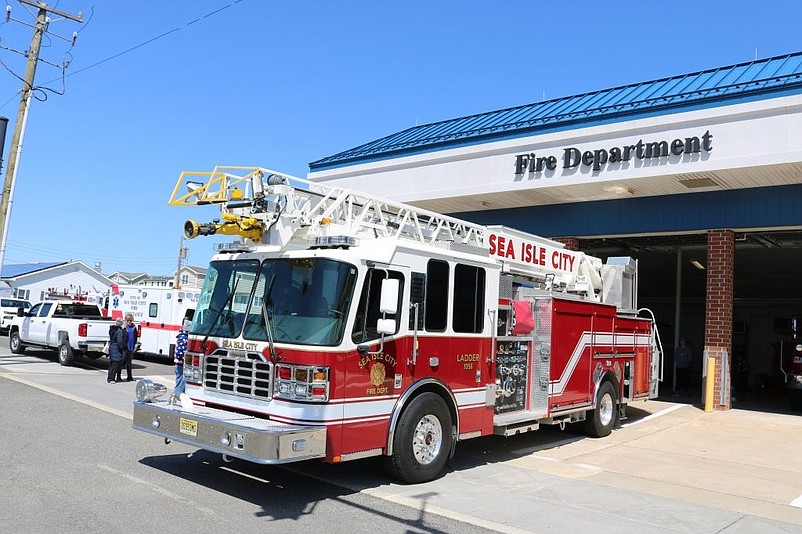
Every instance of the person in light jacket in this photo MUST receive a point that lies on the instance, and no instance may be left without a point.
(116, 351)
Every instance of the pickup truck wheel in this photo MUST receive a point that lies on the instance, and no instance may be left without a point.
(15, 344)
(65, 356)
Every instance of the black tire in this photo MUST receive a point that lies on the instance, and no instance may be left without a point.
(15, 343)
(601, 420)
(422, 440)
(65, 355)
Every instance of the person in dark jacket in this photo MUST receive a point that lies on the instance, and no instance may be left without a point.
(116, 348)
(130, 338)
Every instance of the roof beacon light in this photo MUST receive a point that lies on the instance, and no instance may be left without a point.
(336, 241)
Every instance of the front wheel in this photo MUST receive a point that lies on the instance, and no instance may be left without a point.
(15, 343)
(65, 355)
(599, 422)
(422, 440)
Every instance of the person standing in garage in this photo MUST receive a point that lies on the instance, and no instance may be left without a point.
(683, 358)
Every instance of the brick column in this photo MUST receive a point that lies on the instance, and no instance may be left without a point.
(571, 243)
(718, 309)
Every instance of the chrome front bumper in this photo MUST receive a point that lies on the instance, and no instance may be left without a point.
(236, 435)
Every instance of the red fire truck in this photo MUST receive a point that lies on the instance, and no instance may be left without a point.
(338, 325)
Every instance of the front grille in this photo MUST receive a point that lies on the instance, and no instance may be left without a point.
(246, 377)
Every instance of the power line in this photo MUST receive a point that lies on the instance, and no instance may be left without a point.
(60, 253)
(131, 49)
(165, 34)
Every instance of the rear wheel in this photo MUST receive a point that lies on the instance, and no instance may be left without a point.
(65, 355)
(422, 440)
(15, 343)
(599, 422)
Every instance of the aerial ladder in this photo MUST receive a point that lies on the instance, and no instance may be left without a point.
(267, 208)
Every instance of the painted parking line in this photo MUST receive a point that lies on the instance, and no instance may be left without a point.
(656, 415)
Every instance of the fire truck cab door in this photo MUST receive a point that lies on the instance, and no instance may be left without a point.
(378, 371)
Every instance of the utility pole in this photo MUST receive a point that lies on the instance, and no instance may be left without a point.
(39, 29)
(3, 129)
(182, 254)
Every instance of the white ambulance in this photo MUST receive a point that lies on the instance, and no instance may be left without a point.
(158, 313)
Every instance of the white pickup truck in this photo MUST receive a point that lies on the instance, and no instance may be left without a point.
(73, 328)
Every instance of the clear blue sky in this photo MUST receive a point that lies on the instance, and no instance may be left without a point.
(281, 84)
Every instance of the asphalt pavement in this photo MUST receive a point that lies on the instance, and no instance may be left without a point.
(671, 467)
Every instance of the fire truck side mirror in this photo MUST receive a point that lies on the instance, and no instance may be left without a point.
(389, 296)
(385, 326)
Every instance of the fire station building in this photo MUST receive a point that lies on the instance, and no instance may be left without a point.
(697, 176)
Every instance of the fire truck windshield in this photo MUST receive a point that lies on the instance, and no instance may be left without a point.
(307, 300)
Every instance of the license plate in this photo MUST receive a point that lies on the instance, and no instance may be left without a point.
(188, 426)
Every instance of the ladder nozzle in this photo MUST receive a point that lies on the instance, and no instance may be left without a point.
(193, 229)
(248, 227)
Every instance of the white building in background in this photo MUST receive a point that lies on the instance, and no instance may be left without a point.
(37, 281)
(189, 277)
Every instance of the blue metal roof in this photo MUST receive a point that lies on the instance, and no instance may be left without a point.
(754, 80)
(19, 269)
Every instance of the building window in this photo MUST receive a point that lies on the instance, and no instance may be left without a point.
(24, 294)
(184, 278)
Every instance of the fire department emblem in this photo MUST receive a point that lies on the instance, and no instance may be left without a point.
(377, 374)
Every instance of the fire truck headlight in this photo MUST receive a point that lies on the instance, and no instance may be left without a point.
(307, 383)
(147, 391)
